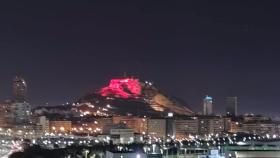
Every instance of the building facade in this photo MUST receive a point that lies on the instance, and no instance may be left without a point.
(19, 89)
(6, 116)
(208, 106)
(44, 122)
(60, 126)
(259, 128)
(231, 106)
(139, 125)
(210, 125)
(122, 135)
(156, 128)
(186, 127)
(21, 112)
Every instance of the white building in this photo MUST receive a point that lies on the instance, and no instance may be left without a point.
(208, 105)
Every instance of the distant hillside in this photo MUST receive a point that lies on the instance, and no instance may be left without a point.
(144, 98)
(127, 96)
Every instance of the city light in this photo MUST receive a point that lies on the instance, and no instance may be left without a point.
(139, 79)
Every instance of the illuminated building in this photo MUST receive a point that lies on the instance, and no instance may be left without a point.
(255, 118)
(3, 119)
(105, 124)
(19, 89)
(210, 125)
(21, 112)
(156, 128)
(234, 127)
(139, 125)
(258, 124)
(186, 127)
(44, 122)
(97, 126)
(60, 126)
(2, 115)
(122, 135)
(24, 131)
(20, 109)
(259, 128)
(231, 106)
(39, 131)
(227, 124)
(6, 116)
(208, 106)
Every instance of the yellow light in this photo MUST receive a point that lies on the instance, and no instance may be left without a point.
(62, 128)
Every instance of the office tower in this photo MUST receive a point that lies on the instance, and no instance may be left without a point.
(208, 105)
(20, 109)
(19, 89)
(231, 106)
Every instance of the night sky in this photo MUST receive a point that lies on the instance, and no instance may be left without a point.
(189, 49)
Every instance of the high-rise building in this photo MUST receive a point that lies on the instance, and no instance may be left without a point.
(20, 108)
(231, 106)
(19, 89)
(208, 105)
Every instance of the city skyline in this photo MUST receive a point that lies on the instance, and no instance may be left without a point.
(188, 49)
(139, 79)
(207, 108)
(20, 95)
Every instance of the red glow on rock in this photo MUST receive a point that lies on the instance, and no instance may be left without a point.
(122, 88)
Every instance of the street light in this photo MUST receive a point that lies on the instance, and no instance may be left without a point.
(154, 148)
(86, 153)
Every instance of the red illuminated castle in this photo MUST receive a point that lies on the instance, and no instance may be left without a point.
(122, 88)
